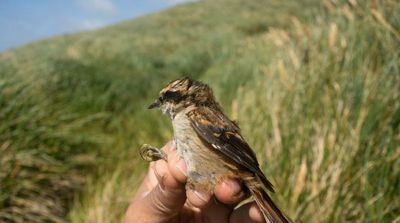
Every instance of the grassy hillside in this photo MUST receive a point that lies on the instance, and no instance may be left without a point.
(314, 86)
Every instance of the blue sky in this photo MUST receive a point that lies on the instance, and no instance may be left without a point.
(24, 21)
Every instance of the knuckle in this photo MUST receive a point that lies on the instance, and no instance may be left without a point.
(159, 202)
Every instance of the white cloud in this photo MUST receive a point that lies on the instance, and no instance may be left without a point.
(105, 6)
(91, 24)
(73, 24)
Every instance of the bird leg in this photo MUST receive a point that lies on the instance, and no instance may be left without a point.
(151, 153)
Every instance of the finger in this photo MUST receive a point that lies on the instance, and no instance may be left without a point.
(248, 213)
(165, 200)
(150, 181)
(169, 146)
(198, 199)
(230, 192)
(177, 166)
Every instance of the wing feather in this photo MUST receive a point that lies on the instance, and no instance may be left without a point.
(224, 135)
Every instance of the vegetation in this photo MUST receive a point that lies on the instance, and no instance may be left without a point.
(314, 86)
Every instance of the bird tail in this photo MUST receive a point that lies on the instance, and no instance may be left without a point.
(270, 211)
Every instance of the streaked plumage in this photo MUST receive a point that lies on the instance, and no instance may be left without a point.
(211, 144)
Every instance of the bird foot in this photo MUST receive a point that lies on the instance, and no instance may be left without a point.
(151, 153)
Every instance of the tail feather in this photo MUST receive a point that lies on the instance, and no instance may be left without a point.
(271, 212)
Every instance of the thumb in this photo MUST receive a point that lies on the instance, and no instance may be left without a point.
(168, 196)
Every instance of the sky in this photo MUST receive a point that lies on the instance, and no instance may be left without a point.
(24, 21)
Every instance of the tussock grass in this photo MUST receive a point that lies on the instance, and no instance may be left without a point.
(314, 86)
(327, 124)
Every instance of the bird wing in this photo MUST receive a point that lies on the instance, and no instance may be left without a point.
(224, 135)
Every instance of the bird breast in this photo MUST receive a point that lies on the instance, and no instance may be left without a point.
(205, 165)
(188, 144)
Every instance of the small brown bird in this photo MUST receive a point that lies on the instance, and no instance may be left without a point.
(211, 144)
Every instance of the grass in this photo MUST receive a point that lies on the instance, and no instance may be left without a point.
(313, 85)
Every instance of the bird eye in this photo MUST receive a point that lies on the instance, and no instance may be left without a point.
(161, 98)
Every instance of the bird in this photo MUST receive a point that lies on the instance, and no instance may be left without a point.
(211, 144)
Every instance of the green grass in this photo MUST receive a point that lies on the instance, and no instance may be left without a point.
(314, 87)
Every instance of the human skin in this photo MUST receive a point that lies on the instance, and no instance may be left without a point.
(163, 198)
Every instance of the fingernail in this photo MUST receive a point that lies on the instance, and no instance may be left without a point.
(202, 196)
(181, 166)
(234, 186)
(162, 187)
(169, 144)
(255, 213)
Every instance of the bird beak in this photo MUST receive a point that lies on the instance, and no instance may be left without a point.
(155, 104)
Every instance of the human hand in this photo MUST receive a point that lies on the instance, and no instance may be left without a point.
(162, 198)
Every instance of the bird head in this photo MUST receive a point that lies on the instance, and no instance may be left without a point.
(181, 94)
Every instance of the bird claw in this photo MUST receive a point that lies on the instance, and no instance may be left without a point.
(151, 153)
